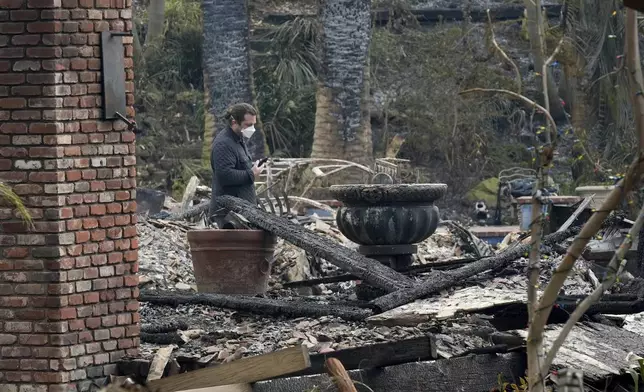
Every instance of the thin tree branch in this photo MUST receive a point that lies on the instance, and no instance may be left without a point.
(532, 104)
(631, 177)
(544, 79)
(615, 269)
(505, 57)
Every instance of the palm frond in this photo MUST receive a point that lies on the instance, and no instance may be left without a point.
(8, 195)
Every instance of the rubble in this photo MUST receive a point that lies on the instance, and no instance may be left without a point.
(228, 332)
(461, 318)
(164, 256)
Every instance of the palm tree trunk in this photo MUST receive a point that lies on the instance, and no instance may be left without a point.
(156, 22)
(209, 124)
(342, 120)
(227, 63)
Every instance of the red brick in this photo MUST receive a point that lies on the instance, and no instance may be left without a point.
(24, 15)
(115, 257)
(73, 175)
(78, 64)
(12, 28)
(26, 39)
(12, 103)
(33, 340)
(131, 280)
(68, 313)
(26, 90)
(91, 298)
(11, 78)
(13, 128)
(90, 223)
(13, 302)
(57, 176)
(53, 26)
(44, 52)
(16, 253)
(43, 3)
(45, 128)
(9, 4)
(82, 236)
(98, 209)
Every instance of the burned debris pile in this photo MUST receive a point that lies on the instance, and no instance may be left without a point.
(461, 303)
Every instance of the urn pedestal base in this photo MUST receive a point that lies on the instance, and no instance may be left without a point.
(397, 257)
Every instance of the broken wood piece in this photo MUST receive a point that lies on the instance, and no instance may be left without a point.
(584, 204)
(189, 193)
(161, 338)
(271, 307)
(225, 388)
(171, 326)
(377, 355)
(439, 280)
(160, 360)
(369, 270)
(471, 373)
(245, 370)
(339, 375)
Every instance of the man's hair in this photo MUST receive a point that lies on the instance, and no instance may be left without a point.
(238, 111)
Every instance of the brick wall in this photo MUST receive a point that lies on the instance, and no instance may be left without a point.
(68, 285)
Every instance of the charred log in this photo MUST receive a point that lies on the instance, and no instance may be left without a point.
(438, 280)
(366, 269)
(265, 306)
(161, 338)
(172, 326)
(413, 270)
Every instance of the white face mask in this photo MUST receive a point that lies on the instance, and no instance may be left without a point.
(248, 132)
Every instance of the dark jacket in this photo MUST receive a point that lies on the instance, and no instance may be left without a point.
(231, 170)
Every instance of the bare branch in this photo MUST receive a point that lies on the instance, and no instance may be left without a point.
(614, 198)
(532, 104)
(544, 79)
(505, 57)
(615, 268)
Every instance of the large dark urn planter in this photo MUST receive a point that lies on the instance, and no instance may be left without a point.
(386, 220)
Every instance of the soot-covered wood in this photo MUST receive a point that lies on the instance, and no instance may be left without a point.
(270, 307)
(367, 269)
(227, 61)
(438, 280)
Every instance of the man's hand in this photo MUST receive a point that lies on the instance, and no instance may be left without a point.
(256, 169)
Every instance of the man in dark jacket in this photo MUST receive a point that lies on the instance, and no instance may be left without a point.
(233, 169)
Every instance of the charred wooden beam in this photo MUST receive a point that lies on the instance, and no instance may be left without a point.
(172, 326)
(266, 306)
(471, 373)
(377, 355)
(366, 269)
(162, 338)
(413, 270)
(439, 280)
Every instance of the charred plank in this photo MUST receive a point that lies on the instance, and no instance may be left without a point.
(366, 269)
(266, 306)
(171, 326)
(472, 373)
(377, 355)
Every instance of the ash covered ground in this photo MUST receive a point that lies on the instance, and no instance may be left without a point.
(218, 335)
